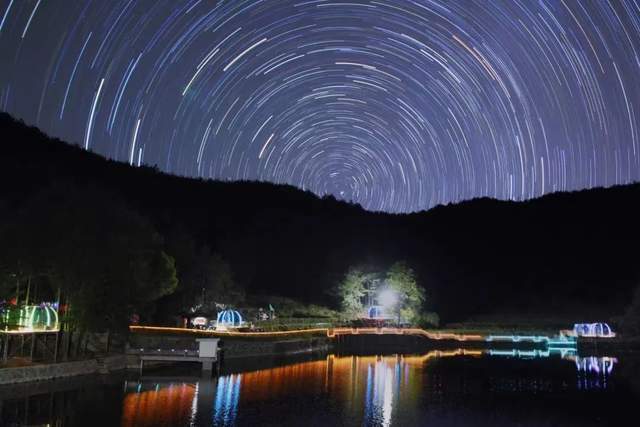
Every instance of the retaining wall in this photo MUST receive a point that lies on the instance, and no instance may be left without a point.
(232, 347)
(243, 348)
(50, 371)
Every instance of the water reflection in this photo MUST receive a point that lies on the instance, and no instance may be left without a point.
(458, 387)
(160, 405)
(226, 400)
(374, 389)
(383, 381)
(594, 372)
(597, 365)
(369, 386)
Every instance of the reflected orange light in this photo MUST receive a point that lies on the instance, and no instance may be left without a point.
(441, 354)
(363, 383)
(165, 406)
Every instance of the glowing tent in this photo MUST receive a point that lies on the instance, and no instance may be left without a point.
(229, 319)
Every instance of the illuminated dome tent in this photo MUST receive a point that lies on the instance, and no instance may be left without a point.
(593, 330)
(32, 317)
(229, 319)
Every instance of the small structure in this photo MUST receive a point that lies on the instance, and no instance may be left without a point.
(229, 319)
(199, 322)
(207, 354)
(375, 312)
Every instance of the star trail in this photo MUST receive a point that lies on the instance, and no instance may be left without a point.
(396, 105)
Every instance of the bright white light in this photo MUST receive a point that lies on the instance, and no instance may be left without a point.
(388, 298)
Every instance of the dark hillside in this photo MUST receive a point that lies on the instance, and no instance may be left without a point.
(554, 255)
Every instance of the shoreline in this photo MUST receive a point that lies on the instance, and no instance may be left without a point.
(239, 349)
(50, 371)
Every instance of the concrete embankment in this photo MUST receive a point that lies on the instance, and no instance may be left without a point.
(237, 347)
(49, 371)
(232, 347)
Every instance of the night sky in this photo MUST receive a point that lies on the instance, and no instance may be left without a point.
(397, 105)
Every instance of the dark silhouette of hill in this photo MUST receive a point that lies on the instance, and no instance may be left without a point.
(560, 254)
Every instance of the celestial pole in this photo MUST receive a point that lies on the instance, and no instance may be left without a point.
(398, 105)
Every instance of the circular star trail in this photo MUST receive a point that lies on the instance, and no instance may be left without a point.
(397, 105)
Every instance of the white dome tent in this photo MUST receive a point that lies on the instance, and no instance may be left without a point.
(229, 319)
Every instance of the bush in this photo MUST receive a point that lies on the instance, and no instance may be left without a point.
(428, 319)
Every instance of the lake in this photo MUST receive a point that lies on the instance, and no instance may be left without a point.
(453, 388)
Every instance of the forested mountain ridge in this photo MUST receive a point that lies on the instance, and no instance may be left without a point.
(559, 253)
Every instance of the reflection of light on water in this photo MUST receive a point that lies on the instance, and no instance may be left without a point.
(593, 372)
(388, 381)
(194, 407)
(532, 354)
(379, 396)
(377, 390)
(388, 395)
(597, 365)
(588, 365)
(227, 398)
(385, 377)
(169, 405)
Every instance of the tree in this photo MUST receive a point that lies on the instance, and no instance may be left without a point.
(351, 291)
(218, 283)
(107, 259)
(401, 280)
(183, 248)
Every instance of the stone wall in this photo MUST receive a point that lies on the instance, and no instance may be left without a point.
(50, 371)
(113, 363)
(232, 347)
(47, 371)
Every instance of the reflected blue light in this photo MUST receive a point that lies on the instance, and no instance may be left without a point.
(379, 397)
(562, 352)
(227, 398)
(593, 372)
(596, 365)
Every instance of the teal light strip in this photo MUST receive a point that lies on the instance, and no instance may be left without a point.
(559, 340)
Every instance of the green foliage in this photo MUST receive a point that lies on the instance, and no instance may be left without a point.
(351, 291)
(204, 278)
(402, 280)
(106, 259)
(428, 319)
(290, 308)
